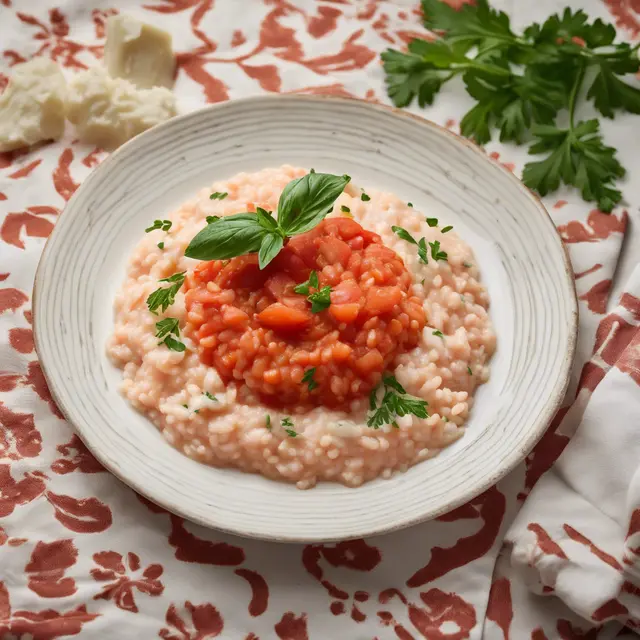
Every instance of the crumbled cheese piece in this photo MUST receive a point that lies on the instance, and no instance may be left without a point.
(32, 105)
(109, 111)
(139, 52)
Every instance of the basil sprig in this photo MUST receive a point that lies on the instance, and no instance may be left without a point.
(303, 204)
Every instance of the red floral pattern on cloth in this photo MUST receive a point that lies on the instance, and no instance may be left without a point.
(82, 555)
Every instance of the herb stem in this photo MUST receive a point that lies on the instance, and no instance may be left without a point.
(574, 95)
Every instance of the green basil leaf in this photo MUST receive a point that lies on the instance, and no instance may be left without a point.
(269, 249)
(228, 237)
(306, 201)
(266, 220)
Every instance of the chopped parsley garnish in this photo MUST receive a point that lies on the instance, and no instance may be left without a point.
(166, 327)
(409, 204)
(422, 243)
(467, 264)
(164, 330)
(373, 398)
(186, 406)
(164, 297)
(303, 287)
(160, 245)
(432, 222)
(291, 432)
(436, 254)
(196, 411)
(218, 195)
(345, 209)
(446, 229)
(445, 419)
(364, 197)
(423, 252)
(286, 422)
(320, 300)
(404, 234)
(212, 219)
(268, 422)
(308, 377)
(395, 403)
(438, 333)
(469, 371)
(165, 225)
(422, 281)
(208, 395)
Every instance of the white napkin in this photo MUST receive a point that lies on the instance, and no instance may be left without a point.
(577, 536)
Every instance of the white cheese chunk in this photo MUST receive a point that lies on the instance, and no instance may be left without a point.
(32, 105)
(109, 111)
(139, 52)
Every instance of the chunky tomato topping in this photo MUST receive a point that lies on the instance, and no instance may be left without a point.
(254, 328)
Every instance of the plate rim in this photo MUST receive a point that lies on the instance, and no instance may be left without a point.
(515, 456)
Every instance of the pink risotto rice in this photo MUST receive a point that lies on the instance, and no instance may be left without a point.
(216, 418)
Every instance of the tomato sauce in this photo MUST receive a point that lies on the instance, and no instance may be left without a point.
(254, 328)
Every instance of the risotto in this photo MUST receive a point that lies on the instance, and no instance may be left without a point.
(344, 349)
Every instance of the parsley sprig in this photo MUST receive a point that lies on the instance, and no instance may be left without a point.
(436, 253)
(164, 297)
(165, 225)
(303, 204)
(523, 83)
(166, 330)
(395, 403)
(308, 378)
(320, 299)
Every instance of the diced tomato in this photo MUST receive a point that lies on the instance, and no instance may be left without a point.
(289, 262)
(382, 299)
(295, 301)
(335, 251)
(234, 317)
(281, 318)
(381, 252)
(346, 291)
(342, 227)
(243, 273)
(280, 285)
(369, 362)
(346, 313)
(305, 247)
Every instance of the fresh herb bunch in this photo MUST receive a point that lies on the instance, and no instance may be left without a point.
(395, 403)
(522, 83)
(303, 204)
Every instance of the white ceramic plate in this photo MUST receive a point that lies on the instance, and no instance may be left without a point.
(523, 263)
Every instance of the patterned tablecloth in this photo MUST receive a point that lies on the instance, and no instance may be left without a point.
(83, 555)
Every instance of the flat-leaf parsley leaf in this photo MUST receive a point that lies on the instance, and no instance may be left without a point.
(395, 403)
(165, 225)
(308, 378)
(164, 297)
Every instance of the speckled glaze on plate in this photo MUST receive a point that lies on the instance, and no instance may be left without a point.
(523, 265)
